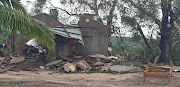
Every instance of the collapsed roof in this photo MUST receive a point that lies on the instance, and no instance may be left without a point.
(69, 32)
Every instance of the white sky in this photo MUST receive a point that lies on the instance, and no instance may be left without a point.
(57, 4)
(29, 6)
(24, 2)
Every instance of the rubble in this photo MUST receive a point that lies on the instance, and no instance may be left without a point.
(17, 59)
(100, 57)
(83, 65)
(69, 67)
(67, 59)
(1, 60)
(53, 63)
(98, 64)
(113, 57)
(120, 69)
(42, 67)
(5, 69)
(73, 64)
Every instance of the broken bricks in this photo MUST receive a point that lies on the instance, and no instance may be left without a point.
(69, 67)
(83, 65)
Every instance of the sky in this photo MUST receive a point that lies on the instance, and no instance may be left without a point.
(57, 4)
(29, 6)
(24, 2)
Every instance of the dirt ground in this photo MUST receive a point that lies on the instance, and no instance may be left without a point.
(49, 79)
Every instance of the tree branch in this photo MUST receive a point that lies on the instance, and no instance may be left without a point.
(109, 19)
(176, 25)
(61, 9)
(97, 11)
(143, 36)
(174, 44)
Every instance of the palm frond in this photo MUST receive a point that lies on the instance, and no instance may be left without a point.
(17, 18)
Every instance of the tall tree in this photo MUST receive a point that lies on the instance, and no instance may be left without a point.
(149, 11)
(139, 14)
(166, 31)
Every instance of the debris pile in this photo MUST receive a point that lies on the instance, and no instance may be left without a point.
(94, 63)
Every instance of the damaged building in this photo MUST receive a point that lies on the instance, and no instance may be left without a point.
(88, 37)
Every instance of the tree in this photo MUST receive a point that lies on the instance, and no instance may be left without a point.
(13, 17)
(103, 10)
(166, 31)
(54, 13)
(149, 11)
(38, 6)
(139, 14)
(134, 14)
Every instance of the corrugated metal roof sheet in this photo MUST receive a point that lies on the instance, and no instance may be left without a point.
(69, 32)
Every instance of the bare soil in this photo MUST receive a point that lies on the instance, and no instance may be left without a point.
(49, 79)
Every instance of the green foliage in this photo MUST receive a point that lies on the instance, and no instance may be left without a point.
(54, 13)
(4, 36)
(127, 45)
(138, 52)
(17, 19)
(64, 1)
(38, 7)
(176, 55)
(136, 49)
(148, 55)
(136, 37)
(129, 20)
(11, 85)
(138, 12)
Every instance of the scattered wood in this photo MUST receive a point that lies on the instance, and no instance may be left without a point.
(69, 67)
(15, 60)
(98, 64)
(6, 69)
(78, 57)
(53, 63)
(101, 57)
(108, 64)
(93, 63)
(83, 65)
(1, 60)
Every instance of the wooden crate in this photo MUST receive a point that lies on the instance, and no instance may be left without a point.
(158, 71)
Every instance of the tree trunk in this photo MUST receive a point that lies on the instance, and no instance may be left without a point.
(144, 38)
(110, 16)
(165, 42)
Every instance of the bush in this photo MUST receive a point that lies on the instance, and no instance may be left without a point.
(137, 51)
(175, 54)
